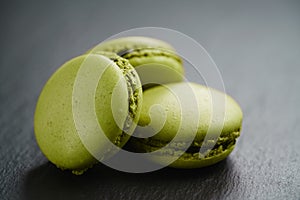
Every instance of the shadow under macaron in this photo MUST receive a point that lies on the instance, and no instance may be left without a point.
(48, 182)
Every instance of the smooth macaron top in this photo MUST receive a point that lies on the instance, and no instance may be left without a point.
(198, 105)
(77, 99)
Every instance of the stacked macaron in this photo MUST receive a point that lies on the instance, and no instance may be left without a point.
(111, 89)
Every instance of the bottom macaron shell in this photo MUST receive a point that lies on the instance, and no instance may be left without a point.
(198, 163)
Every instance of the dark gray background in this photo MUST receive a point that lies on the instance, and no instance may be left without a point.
(256, 47)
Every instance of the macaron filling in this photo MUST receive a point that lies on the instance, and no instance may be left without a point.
(147, 52)
(224, 142)
(133, 86)
(133, 42)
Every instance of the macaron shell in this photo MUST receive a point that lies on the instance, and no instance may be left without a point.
(54, 125)
(53, 121)
(156, 67)
(193, 163)
(167, 98)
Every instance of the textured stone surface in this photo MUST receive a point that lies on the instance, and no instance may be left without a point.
(256, 47)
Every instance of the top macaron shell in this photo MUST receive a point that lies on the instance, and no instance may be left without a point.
(54, 124)
(229, 119)
(155, 61)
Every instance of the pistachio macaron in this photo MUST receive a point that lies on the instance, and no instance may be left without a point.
(155, 61)
(204, 125)
(87, 95)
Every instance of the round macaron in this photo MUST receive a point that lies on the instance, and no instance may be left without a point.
(208, 133)
(87, 95)
(155, 61)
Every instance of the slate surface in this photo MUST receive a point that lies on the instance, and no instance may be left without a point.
(256, 47)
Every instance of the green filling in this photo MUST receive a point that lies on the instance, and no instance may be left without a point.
(117, 48)
(147, 52)
(223, 143)
(133, 86)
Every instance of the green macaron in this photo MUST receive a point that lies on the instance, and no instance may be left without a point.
(212, 122)
(85, 95)
(155, 61)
